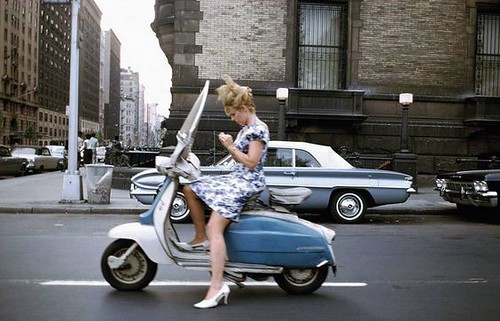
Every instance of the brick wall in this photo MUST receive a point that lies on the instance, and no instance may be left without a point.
(420, 42)
(245, 39)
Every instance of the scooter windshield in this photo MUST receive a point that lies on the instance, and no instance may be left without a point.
(187, 132)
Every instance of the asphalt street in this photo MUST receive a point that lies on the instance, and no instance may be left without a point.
(426, 267)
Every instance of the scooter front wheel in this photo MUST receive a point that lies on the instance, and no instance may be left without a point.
(136, 272)
(301, 281)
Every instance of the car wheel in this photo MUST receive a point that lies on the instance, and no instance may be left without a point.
(348, 207)
(301, 281)
(180, 210)
(134, 274)
(22, 171)
(60, 165)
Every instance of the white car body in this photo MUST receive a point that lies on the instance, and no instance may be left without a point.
(337, 186)
(39, 158)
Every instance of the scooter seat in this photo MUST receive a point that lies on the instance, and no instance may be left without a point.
(288, 196)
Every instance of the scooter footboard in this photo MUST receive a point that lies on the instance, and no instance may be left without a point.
(145, 236)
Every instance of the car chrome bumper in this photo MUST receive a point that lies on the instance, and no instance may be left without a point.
(479, 199)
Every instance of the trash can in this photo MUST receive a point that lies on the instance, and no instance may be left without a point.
(99, 179)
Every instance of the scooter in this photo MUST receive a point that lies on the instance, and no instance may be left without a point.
(268, 241)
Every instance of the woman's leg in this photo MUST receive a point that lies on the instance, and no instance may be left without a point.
(197, 212)
(216, 227)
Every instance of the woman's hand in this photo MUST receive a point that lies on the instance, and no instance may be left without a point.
(250, 159)
(226, 140)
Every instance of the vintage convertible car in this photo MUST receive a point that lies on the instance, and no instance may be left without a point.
(338, 188)
(11, 165)
(470, 189)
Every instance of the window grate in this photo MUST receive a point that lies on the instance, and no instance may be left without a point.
(488, 54)
(322, 46)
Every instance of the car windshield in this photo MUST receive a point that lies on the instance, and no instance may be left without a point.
(56, 150)
(24, 150)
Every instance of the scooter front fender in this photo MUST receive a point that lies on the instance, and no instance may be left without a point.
(145, 236)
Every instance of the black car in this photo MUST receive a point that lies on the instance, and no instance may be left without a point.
(471, 189)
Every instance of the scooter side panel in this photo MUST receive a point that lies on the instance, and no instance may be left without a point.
(264, 240)
(145, 236)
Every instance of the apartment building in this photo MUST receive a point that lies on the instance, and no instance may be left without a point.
(345, 64)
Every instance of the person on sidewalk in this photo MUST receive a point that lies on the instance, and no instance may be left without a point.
(80, 147)
(91, 149)
(227, 194)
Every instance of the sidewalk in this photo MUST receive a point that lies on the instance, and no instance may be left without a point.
(42, 193)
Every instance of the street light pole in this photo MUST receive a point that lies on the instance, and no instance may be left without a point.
(282, 96)
(405, 100)
(72, 184)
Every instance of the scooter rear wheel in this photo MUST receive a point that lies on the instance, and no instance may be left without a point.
(135, 273)
(301, 281)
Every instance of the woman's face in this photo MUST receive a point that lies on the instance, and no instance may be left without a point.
(239, 116)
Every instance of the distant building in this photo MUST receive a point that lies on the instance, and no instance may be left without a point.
(130, 95)
(151, 125)
(109, 112)
(19, 25)
(54, 73)
(89, 91)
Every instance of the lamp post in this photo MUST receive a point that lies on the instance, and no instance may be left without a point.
(282, 96)
(72, 182)
(405, 100)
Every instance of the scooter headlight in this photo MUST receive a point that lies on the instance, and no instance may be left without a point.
(480, 186)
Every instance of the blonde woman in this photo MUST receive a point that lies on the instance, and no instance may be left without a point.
(227, 194)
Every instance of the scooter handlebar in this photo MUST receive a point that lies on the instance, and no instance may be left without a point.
(188, 168)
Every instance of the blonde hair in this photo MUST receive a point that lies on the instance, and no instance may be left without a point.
(235, 97)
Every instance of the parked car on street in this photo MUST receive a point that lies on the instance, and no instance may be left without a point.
(39, 158)
(11, 165)
(59, 151)
(338, 188)
(471, 189)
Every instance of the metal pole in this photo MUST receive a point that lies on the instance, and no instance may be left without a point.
(404, 130)
(72, 183)
(281, 120)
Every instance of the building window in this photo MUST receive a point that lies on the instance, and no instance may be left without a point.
(488, 53)
(322, 45)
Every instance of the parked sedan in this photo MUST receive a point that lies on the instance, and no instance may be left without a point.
(59, 151)
(471, 189)
(39, 158)
(338, 188)
(11, 165)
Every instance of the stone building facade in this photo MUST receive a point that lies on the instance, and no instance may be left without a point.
(19, 25)
(345, 64)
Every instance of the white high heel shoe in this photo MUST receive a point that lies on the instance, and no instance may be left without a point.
(214, 301)
(205, 245)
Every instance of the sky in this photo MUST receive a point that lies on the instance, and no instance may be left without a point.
(130, 20)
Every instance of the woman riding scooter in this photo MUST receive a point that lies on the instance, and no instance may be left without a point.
(227, 194)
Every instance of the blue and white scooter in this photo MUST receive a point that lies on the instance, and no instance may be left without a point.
(267, 241)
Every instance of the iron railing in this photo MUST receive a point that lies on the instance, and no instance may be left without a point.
(322, 46)
(488, 54)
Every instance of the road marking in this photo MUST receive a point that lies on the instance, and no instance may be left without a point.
(188, 283)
